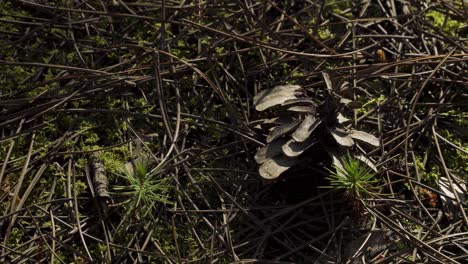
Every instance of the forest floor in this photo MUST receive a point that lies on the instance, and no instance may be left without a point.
(233, 131)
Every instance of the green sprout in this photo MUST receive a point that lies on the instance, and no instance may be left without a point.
(354, 177)
(145, 190)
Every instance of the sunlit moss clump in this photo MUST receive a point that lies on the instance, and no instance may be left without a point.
(445, 22)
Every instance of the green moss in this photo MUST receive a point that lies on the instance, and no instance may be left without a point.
(115, 159)
(325, 33)
(80, 188)
(445, 22)
(367, 104)
(297, 74)
(338, 6)
(456, 159)
(219, 50)
(429, 174)
(15, 238)
(98, 40)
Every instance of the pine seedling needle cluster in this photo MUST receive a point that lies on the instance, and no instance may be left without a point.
(145, 190)
(354, 177)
